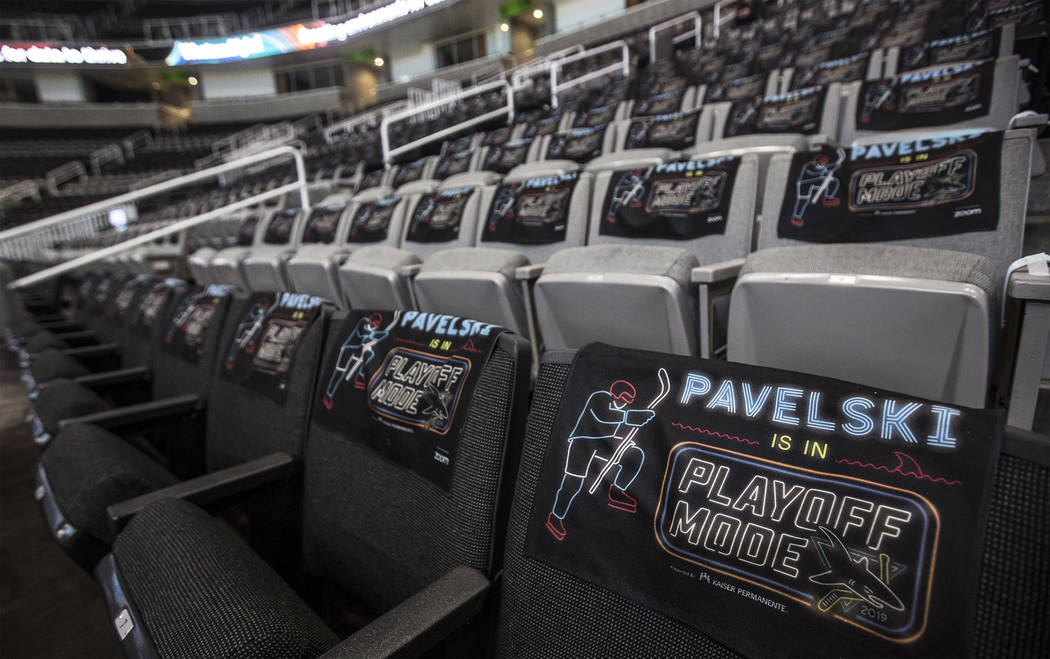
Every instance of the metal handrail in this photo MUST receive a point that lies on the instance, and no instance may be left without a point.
(105, 154)
(384, 126)
(135, 140)
(540, 65)
(684, 18)
(67, 172)
(719, 20)
(624, 65)
(371, 117)
(66, 223)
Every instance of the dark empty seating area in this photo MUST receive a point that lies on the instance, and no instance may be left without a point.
(717, 350)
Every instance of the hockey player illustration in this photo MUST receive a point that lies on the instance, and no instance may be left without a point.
(875, 98)
(742, 116)
(248, 329)
(356, 353)
(629, 191)
(817, 182)
(423, 212)
(598, 447)
(503, 206)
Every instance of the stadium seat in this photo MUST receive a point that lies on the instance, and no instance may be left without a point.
(538, 209)
(160, 321)
(263, 267)
(915, 315)
(224, 267)
(652, 223)
(321, 248)
(378, 275)
(372, 530)
(256, 404)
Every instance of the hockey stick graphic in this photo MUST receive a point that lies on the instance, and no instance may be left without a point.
(829, 176)
(628, 441)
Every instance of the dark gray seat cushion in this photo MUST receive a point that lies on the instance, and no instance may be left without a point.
(671, 262)
(51, 364)
(200, 591)
(877, 260)
(65, 399)
(476, 259)
(43, 340)
(90, 469)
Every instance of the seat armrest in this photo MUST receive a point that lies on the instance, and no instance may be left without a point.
(113, 378)
(101, 350)
(1028, 120)
(717, 272)
(155, 410)
(528, 272)
(1026, 286)
(417, 624)
(410, 270)
(215, 486)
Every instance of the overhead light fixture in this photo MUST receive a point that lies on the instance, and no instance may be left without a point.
(379, 61)
(192, 80)
(503, 27)
(537, 13)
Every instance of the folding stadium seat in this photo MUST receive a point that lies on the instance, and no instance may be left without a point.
(626, 581)
(538, 209)
(423, 168)
(504, 157)
(965, 95)
(784, 123)
(962, 48)
(263, 266)
(652, 224)
(224, 267)
(678, 100)
(454, 162)
(258, 381)
(321, 248)
(678, 131)
(579, 145)
(64, 398)
(447, 216)
(914, 308)
(115, 301)
(385, 527)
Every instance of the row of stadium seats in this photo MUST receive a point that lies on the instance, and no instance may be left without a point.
(244, 408)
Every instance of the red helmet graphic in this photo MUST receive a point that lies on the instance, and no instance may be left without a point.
(623, 390)
(376, 319)
(820, 160)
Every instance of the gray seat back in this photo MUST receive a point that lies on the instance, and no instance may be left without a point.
(555, 187)
(677, 131)
(581, 145)
(788, 119)
(375, 217)
(1001, 246)
(982, 95)
(448, 215)
(630, 175)
(963, 48)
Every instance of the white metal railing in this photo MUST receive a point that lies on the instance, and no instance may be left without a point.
(135, 141)
(623, 66)
(539, 66)
(251, 140)
(107, 154)
(368, 118)
(721, 17)
(16, 192)
(696, 32)
(36, 241)
(409, 113)
(440, 90)
(63, 173)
